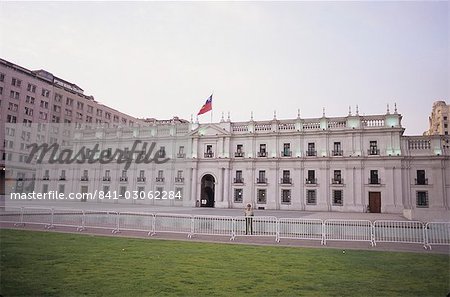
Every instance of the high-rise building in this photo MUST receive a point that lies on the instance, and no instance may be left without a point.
(28, 97)
(439, 119)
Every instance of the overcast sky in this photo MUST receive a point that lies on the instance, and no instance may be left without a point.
(154, 59)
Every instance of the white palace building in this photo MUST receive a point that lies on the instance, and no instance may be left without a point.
(344, 164)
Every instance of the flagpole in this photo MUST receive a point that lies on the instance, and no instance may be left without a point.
(212, 93)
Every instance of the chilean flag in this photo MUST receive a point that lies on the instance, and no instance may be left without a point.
(207, 106)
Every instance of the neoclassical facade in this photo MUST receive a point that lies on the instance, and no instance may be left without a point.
(348, 164)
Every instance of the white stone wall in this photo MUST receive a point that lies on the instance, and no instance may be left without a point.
(397, 164)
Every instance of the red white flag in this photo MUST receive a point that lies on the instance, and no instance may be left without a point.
(207, 106)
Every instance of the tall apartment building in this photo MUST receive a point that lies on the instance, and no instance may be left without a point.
(439, 119)
(37, 97)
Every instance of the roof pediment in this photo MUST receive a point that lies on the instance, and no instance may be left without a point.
(209, 130)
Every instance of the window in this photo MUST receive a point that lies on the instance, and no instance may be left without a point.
(179, 178)
(337, 149)
(44, 104)
(140, 192)
(445, 118)
(311, 149)
(160, 177)
(28, 111)
(11, 119)
(162, 152)
(58, 97)
(421, 180)
(16, 82)
(261, 177)
(10, 131)
(261, 196)
(337, 197)
(311, 177)
(29, 99)
(373, 150)
(141, 177)
(45, 93)
(63, 175)
(238, 193)
(124, 177)
(286, 150)
(179, 193)
(286, 196)
(68, 112)
(311, 197)
(106, 190)
(373, 179)
(79, 105)
(238, 178)
(12, 106)
(2, 77)
(337, 177)
(239, 151)
(99, 112)
(45, 188)
(209, 151)
(181, 153)
(286, 179)
(1, 90)
(69, 101)
(262, 150)
(90, 109)
(14, 95)
(27, 123)
(122, 191)
(422, 198)
(31, 88)
(107, 176)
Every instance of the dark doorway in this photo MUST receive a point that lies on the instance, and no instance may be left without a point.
(207, 191)
(375, 202)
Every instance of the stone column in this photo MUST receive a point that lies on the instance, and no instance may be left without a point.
(194, 186)
(226, 189)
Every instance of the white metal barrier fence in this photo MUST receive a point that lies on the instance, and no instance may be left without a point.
(437, 233)
(348, 230)
(213, 225)
(11, 215)
(428, 234)
(136, 221)
(37, 216)
(100, 220)
(399, 231)
(259, 226)
(310, 229)
(67, 218)
(173, 223)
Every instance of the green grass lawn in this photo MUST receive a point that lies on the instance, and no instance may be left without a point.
(56, 264)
